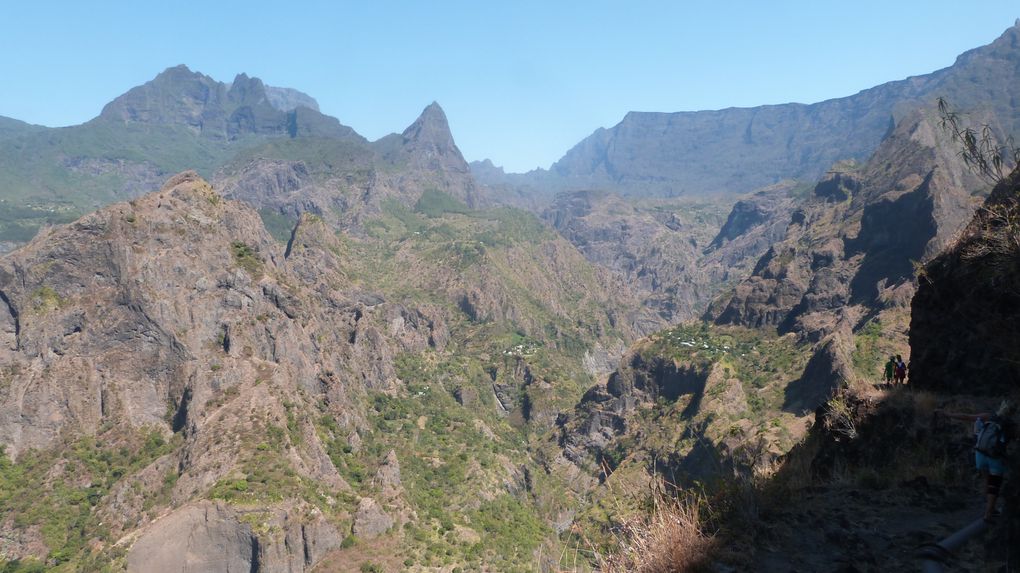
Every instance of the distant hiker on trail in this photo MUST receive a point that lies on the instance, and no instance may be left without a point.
(890, 369)
(992, 433)
(901, 370)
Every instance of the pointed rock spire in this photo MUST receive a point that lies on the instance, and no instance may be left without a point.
(431, 128)
(429, 141)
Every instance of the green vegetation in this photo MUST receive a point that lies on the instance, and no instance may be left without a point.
(758, 358)
(449, 455)
(868, 355)
(279, 225)
(42, 168)
(247, 258)
(20, 222)
(322, 156)
(59, 489)
(264, 475)
(45, 299)
(434, 203)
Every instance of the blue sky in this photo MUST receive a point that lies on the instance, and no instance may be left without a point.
(521, 82)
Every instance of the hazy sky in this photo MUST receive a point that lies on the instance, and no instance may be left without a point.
(521, 81)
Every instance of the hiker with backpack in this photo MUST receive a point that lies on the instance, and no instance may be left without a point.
(992, 433)
(890, 369)
(901, 370)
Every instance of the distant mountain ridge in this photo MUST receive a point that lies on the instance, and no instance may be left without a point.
(737, 150)
(179, 96)
(183, 119)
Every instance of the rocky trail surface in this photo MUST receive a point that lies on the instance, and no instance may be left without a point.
(905, 480)
(848, 528)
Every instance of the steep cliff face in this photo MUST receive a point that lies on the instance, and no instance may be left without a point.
(964, 329)
(854, 241)
(653, 251)
(177, 316)
(730, 150)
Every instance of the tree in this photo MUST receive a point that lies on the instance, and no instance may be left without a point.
(979, 148)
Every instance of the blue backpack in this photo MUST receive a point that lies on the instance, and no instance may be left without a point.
(991, 440)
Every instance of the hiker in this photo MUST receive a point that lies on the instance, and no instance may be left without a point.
(890, 369)
(992, 433)
(901, 370)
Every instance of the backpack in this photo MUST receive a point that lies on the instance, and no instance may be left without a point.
(991, 440)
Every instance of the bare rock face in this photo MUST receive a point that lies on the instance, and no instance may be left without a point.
(388, 475)
(370, 520)
(178, 314)
(294, 544)
(96, 334)
(858, 235)
(288, 99)
(210, 537)
(265, 179)
(201, 538)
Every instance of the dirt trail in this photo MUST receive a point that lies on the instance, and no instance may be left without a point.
(854, 524)
(838, 528)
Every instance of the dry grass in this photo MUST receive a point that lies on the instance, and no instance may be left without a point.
(672, 540)
(841, 415)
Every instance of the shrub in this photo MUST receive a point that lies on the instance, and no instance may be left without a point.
(247, 258)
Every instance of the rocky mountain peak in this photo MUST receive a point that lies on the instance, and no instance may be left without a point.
(178, 73)
(176, 95)
(180, 97)
(427, 146)
(248, 90)
(431, 129)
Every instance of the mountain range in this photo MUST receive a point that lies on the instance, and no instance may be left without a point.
(237, 335)
(737, 150)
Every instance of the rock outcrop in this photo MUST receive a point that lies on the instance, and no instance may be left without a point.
(370, 520)
(204, 538)
(178, 315)
(965, 327)
(686, 403)
(856, 237)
